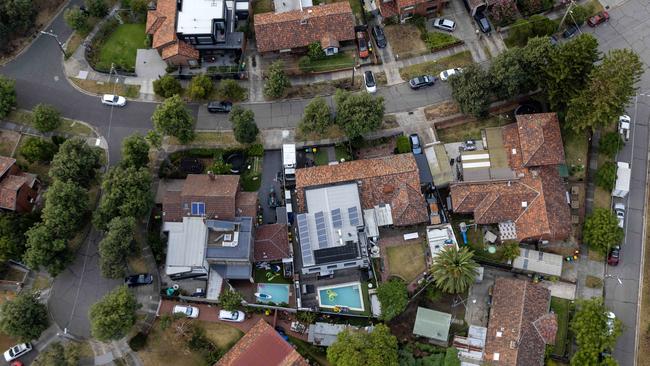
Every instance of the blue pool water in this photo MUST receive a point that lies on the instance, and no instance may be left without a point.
(279, 293)
(349, 295)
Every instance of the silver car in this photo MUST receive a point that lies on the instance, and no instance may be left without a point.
(444, 24)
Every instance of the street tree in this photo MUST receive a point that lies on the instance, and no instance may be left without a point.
(135, 151)
(126, 192)
(606, 176)
(96, 8)
(454, 270)
(510, 77)
(362, 348)
(115, 247)
(393, 297)
(243, 125)
(536, 55)
(57, 354)
(46, 118)
(75, 161)
(114, 315)
(7, 96)
(76, 19)
(610, 143)
(172, 118)
(578, 15)
(277, 81)
(24, 317)
(231, 90)
(154, 138)
(594, 333)
(525, 29)
(17, 17)
(358, 114)
(230, 300)
(472, 90)
(66, 204)
(167, 86)
(37, 149)
(13, 227)
(609, 89)
(601, 230)
(200, 87)
(317, 117)
(44, 249)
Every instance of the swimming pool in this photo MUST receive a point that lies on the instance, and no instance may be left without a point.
(347, 294)
(279, 293)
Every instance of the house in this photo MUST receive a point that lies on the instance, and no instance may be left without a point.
(405, 9)
(190, 32)
(324, 334)
(272, 246)
(516, 183)
(262, 346)
(18, 190)
(433, 325)
(294, 30)
(520, 324)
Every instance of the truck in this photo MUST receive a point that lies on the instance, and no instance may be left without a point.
(623, 174)
(624, 127)
(289, 164)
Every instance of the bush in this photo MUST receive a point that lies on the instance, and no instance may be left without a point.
(7, 95)
(96, 8)
(37, 149)
(277, 81)
(76, 19)
(503, 12)
(46, 118)
(167, 86)
(530, 7)
(403, 144)
(138, 341)
(231, 90)
(256, 150)
(200, 87)
(606, 176)
(610, 144)
(315, 51)
(438, 40)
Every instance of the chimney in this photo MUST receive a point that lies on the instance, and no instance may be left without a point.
(211, 174)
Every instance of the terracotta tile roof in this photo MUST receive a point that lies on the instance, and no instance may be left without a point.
(262, 346)
(219, 194)
(5, 164)
(387, 9)
(161, 23)
(520, 324)
(328, 40)
(296, 28)
(179, 48)
(271, 243)
(9, 190)
(246, 204)
(540, 139)
(203, 185)
(172, 209)
(393, 180)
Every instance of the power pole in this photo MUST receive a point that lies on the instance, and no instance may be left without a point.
(571, 4)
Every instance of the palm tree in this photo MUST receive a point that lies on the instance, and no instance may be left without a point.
(454, 270)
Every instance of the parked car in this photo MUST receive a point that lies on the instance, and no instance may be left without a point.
(422, 81)
(140, 279)
(219, 107)
(624, 126)
(414, 139)
(570, 32)
(614, 256)
(469, 145)
(232, 316)
(369, 80)
(597, 19)
(380, 37)
(619, 208)
(448, 73)
(17, 351)
(113, 100)
(482, 21)
(362, 42)
(189, 311)
(444, 24)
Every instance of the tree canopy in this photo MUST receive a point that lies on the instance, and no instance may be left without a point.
(601, 230)
(75, 161)
(510, 75)
(360, 348)
(536, 56)
(13, 227)
(114, 315)
(37, 149)
(610, 143)
(66, 204)
(24, 317)
(231, 90)
(57, 354)
(393, 297)
(46, 118)
(230, 300)
(454, 270)
(167, 86)
(277, 81)
(200, 87)
(606, 175)
(76, 19)
(96, 8)
(172, 118)
(16, 19)
(243, 124)
(44, 249)
(594, 333)
(358, 114)
(471, 89)
(7, 94)
(127, 192)
(317, 117)
(135, 151)
(115, 247)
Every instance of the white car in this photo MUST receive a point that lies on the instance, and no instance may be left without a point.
(113, 100)
(189, 311)
(444, 24)
(624, 126)
(232, 316)
(369, 81)
(17, 351)
(611, 317)
(449, 73)
(619, 208)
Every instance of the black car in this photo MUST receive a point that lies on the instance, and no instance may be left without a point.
(482, 22)
(380, 37)
(140, 279)
(219, 107)
(421, 81)
(570, 32)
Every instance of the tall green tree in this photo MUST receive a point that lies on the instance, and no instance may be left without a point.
(114, 315)
(393, 297)
(243, 124)
(46, 118)
(358, 114)
(606, 176)
(594, 333)
(37, 149)
(277, 81)
(172, 118)
(96, 8)
(167, 86)
(7, 96)
(454, 270)
(135, 151)
(601, 230)
(115, 247)
(536, 55)
(360, 348)
(200, 87)
(610, 87)
(24, 317)
(13, 227)
(75, 161)
(510, 77)
(127, 192)
(44, 249)
(317, 117)
(18, 16)
(57, 354)
(472, 90)
(66, 205)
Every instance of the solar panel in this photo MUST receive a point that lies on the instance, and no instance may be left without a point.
(353, 215)
(321, 229)
(305, 243)
(336, 218)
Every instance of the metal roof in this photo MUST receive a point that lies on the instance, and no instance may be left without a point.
(539, 262)
(432, 324)
(186, 244)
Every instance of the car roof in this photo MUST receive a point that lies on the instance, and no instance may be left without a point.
(446, 21)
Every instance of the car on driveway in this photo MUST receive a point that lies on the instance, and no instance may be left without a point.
(482, 21)
(416, 147)
(139, 279)
(614, 256)
(189, 311)
(232, 316)
(113, 100)
(597, 19)
(422, 81)
(17, 351)
(369, 80)
(449, 73)
(219, 107)
(362, 42)
(444, 24)
(380, 37)
(570, 32)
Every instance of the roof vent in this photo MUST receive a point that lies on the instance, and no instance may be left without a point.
(524, 204)
(499, 334)
(514, 151)
(496, 356)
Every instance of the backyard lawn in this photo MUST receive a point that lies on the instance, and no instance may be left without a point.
(121, 47)
(561, 307)
(405, 40)
(469, 130)
(406, 261)
(342, 60)
(576, 147)
(435, 67)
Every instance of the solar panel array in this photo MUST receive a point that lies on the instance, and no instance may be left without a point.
(337, 222)
(321, 229)
(353, 215)
(305, 243)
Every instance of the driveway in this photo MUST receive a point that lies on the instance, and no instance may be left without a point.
(272, 165)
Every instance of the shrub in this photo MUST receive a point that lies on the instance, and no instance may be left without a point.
(606, 176)
(256, 150)
(37, 149)
(167, 86)
(231, 90)
(403, 145)
(315, 51)
(277, 81)
(46, 118)
(96, 8)
(138, 341)
(76, 19)
(610, 144)
(105, 31)
(503, 12)
(438, 40)
(579, 15)
(200, 87)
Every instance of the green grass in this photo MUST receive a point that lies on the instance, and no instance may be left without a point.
(342, 60)
(121, 47)
(561, 308)
(435, 67)
(70, 126)
(320, 158)
(576, 147)
(406, 261)
(342, 153)
(262, 6)
(260, 276)
(469, 130)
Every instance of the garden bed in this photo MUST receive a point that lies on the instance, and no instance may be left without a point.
(434, 68)
(470, 130)
(340, 61)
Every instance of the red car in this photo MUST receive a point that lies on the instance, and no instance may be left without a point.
(601, 17)
(362, 42)
(614, 256)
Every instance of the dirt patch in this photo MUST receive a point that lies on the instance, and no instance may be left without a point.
(441, 110)
(8, 142)
(406, 261)
(137, 265)
(370, 152)
(405, 40)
